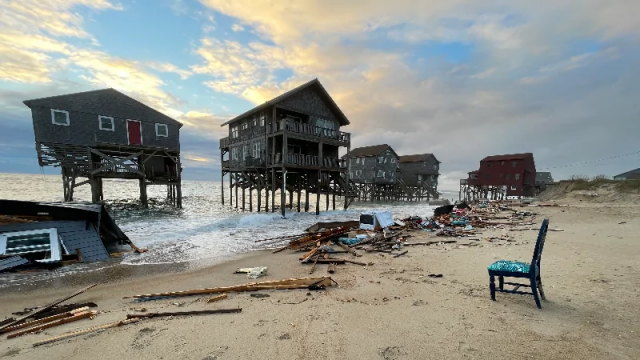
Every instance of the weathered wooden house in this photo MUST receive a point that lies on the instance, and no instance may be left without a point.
(106, 134)
(374, 172)
(289, 143)
(629, 175)
(420, 174)
(500, 176)
(543, 180)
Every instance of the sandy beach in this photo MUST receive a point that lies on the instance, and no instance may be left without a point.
(390, 310)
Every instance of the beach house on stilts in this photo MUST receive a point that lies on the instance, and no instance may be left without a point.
(284, 147)
(106, 134)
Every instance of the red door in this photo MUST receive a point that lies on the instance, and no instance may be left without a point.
(134, 132)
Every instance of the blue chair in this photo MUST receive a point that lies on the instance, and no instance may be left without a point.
(517, 269)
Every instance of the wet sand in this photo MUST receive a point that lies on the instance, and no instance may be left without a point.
(391, 310)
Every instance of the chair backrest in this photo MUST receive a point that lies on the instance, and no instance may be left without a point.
(537, 251)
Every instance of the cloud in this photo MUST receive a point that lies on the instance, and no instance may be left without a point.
(484, 74)
(170, 68)
(237, 27)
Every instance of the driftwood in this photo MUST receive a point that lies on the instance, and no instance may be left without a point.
(302, 283)
(44, 320)
(331, 261)
(313, 267)
(75, 317)
(402, 253)
(63, 309)
(180, 313)
(217, 298)
(355, 262)
(86, 331)
(346, 248)
(7, 321)
(48, 307)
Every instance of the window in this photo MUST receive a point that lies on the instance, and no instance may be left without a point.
(358, 172)
(256, 150)
(514, 163)
(162, 130)
(34, 241)
(517, 176)
(487, 176)
(262, 119)
(513, 187)
(507, 176)
(234, 132)
(393, 160)
(255, 121)
(435, 166)
(380, 159)
(488, 164)
(245, 152)
(234, 154)
(433, 177)
(60, 117)
(245, 125)
(419, 177)
(106, 123)
(501, 162)
(380, 173)
(350, 175)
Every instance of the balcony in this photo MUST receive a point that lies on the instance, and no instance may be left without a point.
(224, 143)
(306, 161)
(310, 131)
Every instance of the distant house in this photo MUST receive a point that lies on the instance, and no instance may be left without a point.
(544, 178)
(516, 173)
(629, 175)
(377, 164)
(420, 169)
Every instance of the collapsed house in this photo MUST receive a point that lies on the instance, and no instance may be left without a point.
(54, 234)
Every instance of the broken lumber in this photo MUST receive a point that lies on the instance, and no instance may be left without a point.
(86, 331)
(301, 283)
(63, 309)
(75, 317)
(217, 298)
(7, 321)
(431, 242)
(48, 307)
(345, 247)
(331, 261)
(402, 253)
(355, 262)
(44, 320)
(181, 313)
(313, 267)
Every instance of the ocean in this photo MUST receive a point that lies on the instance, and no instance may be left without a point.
(203, 233)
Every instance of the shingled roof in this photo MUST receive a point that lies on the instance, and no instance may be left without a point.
(107, 102)
(507, 157)
(322, 92)
(372, 150)
(416, 158)
(633, 174)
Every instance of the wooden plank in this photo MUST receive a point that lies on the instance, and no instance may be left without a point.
(45, 320)
(86, 331)
(48, 307)
(217, 298)
(181, 313)
(75, 317)
(279, 284)
(402, 253)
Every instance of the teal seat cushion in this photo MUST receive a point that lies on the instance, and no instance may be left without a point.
(510, 266)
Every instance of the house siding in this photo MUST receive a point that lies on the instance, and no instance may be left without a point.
(411, 170)
(84, 130)
(308, 101)
(74, 235)
(503, 173)
(366, 173)
(249, 137)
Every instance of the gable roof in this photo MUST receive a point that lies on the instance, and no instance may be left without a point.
(372, 150)
(315, 82)
(628, 173)
(507, 157)
(416, 158)
(107, 102)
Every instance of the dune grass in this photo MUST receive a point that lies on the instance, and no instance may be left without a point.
(582, 183)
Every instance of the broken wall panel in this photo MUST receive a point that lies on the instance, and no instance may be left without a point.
(10, 263)
(74, 235)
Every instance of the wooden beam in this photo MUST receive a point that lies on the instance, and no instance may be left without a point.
(114, 162)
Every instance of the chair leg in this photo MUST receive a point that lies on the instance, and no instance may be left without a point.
(534, 290)
(501, 282)
(541, 290)
(492, 287)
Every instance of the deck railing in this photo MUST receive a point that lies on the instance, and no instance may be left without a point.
(307, 129)
(224, 142)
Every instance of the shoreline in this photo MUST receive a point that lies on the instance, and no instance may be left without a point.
(390, 310)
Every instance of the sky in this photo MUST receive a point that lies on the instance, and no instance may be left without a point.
(462, 79)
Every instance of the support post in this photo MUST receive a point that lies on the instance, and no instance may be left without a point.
(231, 188)
(179, 184)
(273, 189)
(291, 200)
(222, 184)
(318, 186)
(244, 179)
(259, 180)
(299, 189)
(306, 195)
(266, 191)
(143, 191)
(251, 193)
(235, 175)
(283, 194)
